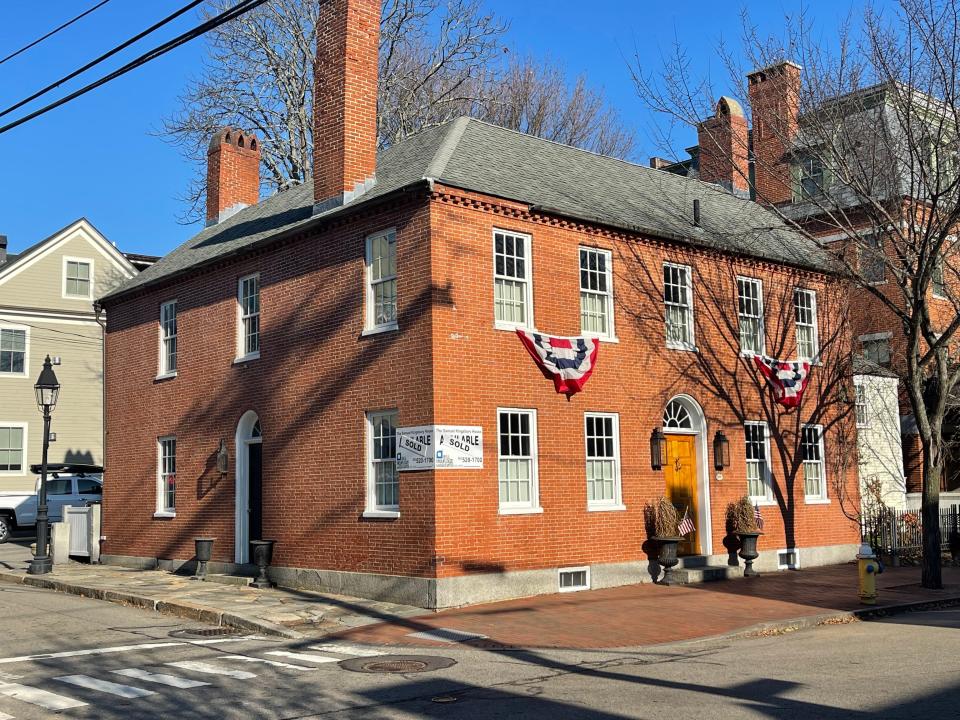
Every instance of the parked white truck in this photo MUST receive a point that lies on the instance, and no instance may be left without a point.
(66, 485)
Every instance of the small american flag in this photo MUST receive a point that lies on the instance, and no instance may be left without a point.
(686, 525)
(757, 517)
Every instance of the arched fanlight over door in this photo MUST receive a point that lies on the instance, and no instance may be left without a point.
(677, 416)
(255, 433)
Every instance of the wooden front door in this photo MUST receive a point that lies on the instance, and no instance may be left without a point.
(680, 474)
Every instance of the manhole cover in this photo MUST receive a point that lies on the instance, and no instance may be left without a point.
(401, 664)
(203, 632)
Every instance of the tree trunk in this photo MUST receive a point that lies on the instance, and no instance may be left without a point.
(930, 519)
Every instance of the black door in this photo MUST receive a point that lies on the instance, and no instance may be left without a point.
(256, 492)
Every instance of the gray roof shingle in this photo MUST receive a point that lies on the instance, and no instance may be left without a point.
(560, 179)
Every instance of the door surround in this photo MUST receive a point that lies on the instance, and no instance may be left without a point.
(241, 517)
(697, 427)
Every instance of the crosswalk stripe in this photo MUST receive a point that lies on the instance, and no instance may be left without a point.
(304, 657)
(344, 649)
(210, 669)
(160, 678)
(4, 716)
(35, 696)
(125, 648)
(271, 663)
(124, 691)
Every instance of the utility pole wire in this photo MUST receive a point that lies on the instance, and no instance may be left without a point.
(224, 17)
(108, 54)
(53, 32)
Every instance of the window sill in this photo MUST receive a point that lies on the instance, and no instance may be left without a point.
(816, 501)
(520, 511)
(513, 327)
(682, 347)
(165, 376)
(381, 514)
(380, 329)
(12, 375)
(938, 297)
(605, 508)
(763, 502)
(603, 338)
(247, 358)
(164, 514)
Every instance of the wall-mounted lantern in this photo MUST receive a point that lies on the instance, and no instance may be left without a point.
(658, 449)
(222, 458)
(721, 451)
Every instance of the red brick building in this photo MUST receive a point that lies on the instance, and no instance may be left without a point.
(302, 331)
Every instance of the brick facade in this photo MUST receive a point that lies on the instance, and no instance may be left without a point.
(233, 173)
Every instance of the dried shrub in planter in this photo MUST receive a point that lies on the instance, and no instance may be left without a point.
(741, 517)
(661, 518)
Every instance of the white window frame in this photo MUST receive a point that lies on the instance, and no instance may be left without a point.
(370, 325)
(372, 508)
(24, 465)
(585, 569)
(815, 325)
(766, 499)
(528, 323)
(607, 296)
(762, 327)
(86, 261)
(163, 367)
(533, 505)
(163, 510)
(242, 354)
(860, 401)
(26, 350)
(822, 497)
(616, 502)
(795, 565)
(691, 344)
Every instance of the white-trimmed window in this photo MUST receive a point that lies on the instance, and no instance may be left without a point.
(805, 316)
(13, 448)
(602, 433)
(168, 338)
(13, 351)
(678, 306)
(166, 475)
(78, 278)
(517, 435)
(512, 293)
(861, 406)
(876, 348)
(750, 315)
(248, 330)
(382, 281)
(759, 481)
(383, 484)
(596, 293)
(811, 449)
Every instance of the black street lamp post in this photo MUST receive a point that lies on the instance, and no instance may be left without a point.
(47, 389)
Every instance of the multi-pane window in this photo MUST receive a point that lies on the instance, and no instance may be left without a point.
(596, 293)
(517, 430)
(603, 460)
(11, 449)
(876, 350)
(383, 482)
(167, 475)
(511, 279)
(168, 338)
(678, 305)
(750, 313)
(873, 265)
(249, 330)
(805, 315)
(811, 448)
(77, 278)
(811, 178)
(382, 280)
(13, 351)
(860, 405)
(758, 464)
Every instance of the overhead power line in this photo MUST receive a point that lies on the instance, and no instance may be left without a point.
(110, 53)
(214, 22)
(53, 32)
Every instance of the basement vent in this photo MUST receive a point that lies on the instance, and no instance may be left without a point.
(787, 560)
(572, 579)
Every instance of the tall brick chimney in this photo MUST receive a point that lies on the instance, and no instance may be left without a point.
(775, 100)
(233, 173)
(724, 143)
(345, 101)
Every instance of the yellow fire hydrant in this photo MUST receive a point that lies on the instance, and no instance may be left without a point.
(869, 567)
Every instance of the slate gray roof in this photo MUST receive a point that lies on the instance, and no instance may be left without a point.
(555, 178)
(10, 259)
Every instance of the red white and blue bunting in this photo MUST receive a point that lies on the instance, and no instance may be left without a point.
(787, 377)
(568, 361)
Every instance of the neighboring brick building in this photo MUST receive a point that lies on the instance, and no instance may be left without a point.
(302, 331)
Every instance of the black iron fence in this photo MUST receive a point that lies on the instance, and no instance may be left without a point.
(897, 535)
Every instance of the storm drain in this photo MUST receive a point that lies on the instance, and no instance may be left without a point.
(399, 664)
(222, 631)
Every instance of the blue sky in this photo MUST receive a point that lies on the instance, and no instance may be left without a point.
(98, 157)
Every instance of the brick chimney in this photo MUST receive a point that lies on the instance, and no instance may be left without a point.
(233, 173)
(345, 101)
(724, 141)
(775, 100)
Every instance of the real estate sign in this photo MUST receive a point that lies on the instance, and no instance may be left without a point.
(439, 447)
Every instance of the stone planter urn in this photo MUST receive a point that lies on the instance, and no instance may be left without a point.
(667, 557)
(748, 551)
(262, 557)
(203, 547)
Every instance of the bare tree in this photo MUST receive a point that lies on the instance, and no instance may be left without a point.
(862, 153)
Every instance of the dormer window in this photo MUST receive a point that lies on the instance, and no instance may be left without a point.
(811, 178)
